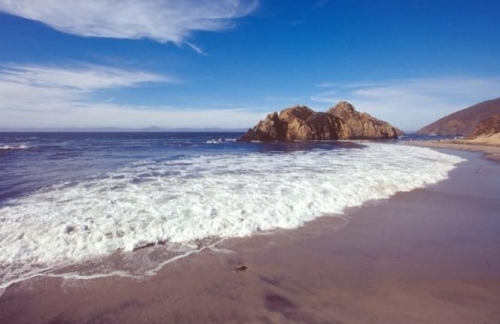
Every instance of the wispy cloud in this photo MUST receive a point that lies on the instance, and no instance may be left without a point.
(320, 4)
(411, 103)
(317, 5)
(84, 78)
(48, 96)
(47, 88)
(197, 49)
(160, 20)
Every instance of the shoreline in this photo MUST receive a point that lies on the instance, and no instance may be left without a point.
(490, 149)
(429, 255)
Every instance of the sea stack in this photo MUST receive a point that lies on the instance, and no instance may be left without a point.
(341, 122)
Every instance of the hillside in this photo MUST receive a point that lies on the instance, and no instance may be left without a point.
(463, 122)
(488, 127)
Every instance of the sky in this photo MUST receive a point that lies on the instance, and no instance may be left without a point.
(228, 63)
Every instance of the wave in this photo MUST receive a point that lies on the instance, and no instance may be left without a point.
(14, 147)
(192, 200)
(220, 140)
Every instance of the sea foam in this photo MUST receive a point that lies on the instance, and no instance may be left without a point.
(13, 147)
(194, 198)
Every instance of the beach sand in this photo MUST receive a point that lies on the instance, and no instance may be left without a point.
(489, 146)
(427, 256)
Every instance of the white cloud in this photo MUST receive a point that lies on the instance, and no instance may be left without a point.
(197, 49)
(41, 96)
(84, 78)
(412, 103)
(160, 20)
(41, 88)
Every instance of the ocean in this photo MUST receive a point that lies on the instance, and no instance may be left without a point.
(84, 205)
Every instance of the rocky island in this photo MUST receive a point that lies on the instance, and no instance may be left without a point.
(341, 122)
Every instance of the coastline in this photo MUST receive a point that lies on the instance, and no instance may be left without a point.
(490, 147)
(425, 256)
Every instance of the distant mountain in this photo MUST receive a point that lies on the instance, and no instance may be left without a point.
(463, 122)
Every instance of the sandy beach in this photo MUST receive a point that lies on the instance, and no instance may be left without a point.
(427, 256)
(489, 146)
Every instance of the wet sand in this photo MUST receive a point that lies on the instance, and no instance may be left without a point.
(428, 256)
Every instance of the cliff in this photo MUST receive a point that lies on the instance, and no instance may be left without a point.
(303, 123)
(463, 122)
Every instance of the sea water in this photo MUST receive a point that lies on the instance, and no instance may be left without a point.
(67, 198)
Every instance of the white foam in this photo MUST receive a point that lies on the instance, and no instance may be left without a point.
(220, 140)
(218, 196)
(14, 147)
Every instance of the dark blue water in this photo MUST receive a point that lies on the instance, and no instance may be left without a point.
(417, 137)
(30, 161)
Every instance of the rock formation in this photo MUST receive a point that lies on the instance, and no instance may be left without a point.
(463, 122)
(363, 125)
(302, 123)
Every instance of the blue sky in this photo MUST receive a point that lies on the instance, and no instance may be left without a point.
(227, 63)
